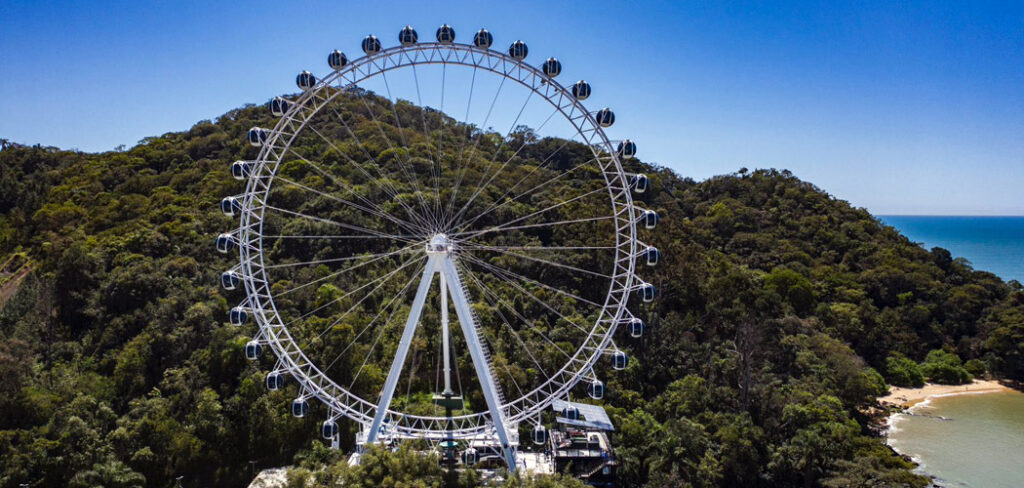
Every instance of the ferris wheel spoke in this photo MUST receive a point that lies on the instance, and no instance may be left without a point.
(480, 185)
(522, 145)
(515, 311)
(409, 171)
(334, 179)
(543, 261)
(385, 308)
(410, 176)
(381, 179)
(373, 346)
(484, 294)
(376, 210)
(471, 234)
(338, 260)
(508, 274)
(557, 205)
(468, 161)
(521, 180)
(378, 213)
(440, 141)
(540, 185)
(542, 164)
(537, 168)
(322, 220)
(361, 236)
(435, 167)
(462, 144)
(394, 109)
(337, 273)
(394, 193)
(537, 248)
(380, 284)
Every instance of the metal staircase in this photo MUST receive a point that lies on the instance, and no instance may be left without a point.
(483, 345)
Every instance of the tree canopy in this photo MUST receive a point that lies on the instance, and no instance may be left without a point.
(782, 310)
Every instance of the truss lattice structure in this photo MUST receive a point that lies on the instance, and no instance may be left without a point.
(437, 243)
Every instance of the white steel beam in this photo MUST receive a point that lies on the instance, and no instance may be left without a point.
(403, 350)
(483, 371)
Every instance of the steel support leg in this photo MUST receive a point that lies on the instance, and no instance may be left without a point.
(403, 350)
(483, 372)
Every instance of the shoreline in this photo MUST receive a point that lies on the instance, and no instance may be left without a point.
(903, 404)
(904, 398)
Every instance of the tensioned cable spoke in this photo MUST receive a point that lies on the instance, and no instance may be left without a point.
(479, 284)
(515, 312)
(408, 237)
(394, 108)
(508, 273)
(521, 180)
(435, 172)
(537, 248)
(394, 191)
(440, 140)
(522, 145)
(529, 327)
(376, 340)
(543, 261)
(411, 173)
(527, 192)
(410, 177)
(383, 309)
(500, 273)
(381, 282)
(469, 159)
(552, 207)
(480, 185)
(332, 222)
(462, 144)
(471, 234)
(380, 171)
(333, 179)
(338, 182)
(331, 176)
(336, 260)
(408, 226)
(338, 273)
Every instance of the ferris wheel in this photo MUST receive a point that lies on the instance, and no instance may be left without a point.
(361, 195)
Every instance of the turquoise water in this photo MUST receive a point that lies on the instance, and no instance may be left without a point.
(993, 244)
(965, 441)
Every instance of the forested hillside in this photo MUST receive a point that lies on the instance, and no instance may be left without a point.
(783, 314)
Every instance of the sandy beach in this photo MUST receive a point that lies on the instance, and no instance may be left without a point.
(908, 397)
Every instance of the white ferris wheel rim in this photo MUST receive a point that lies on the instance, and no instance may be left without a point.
(273, 330)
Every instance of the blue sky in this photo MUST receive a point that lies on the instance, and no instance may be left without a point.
(900, 107)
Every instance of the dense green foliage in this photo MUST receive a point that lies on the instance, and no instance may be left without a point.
(944, 367)
(379, 468)
(903, 371)
(780, 306)
(404, 468)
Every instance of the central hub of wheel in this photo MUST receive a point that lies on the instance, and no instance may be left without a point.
(440, 244)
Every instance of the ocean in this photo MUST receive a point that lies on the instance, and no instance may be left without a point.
(965, 441)
(993, 244)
